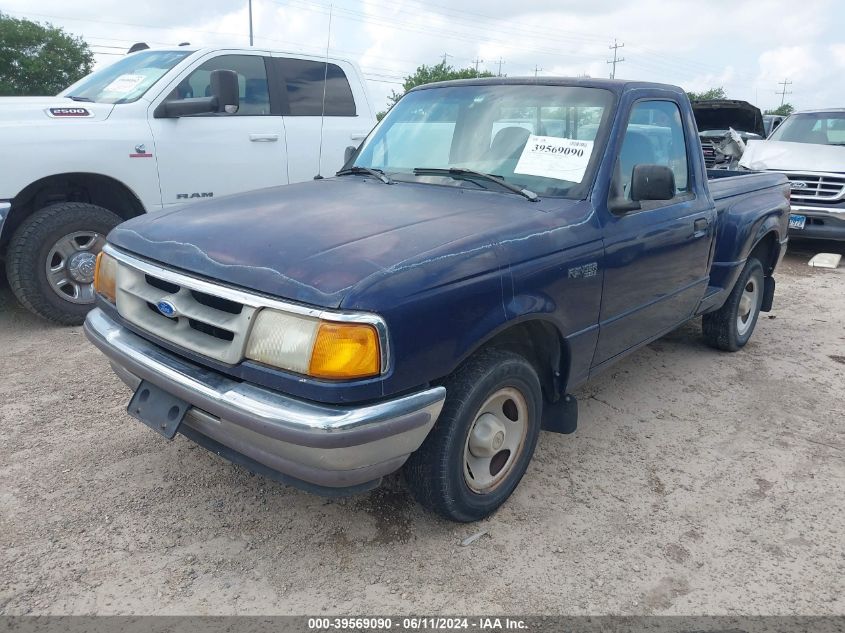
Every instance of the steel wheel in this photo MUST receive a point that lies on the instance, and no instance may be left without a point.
(70, 265)
(748, 305)
(495, 440)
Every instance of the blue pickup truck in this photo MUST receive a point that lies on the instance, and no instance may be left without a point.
(492, 245)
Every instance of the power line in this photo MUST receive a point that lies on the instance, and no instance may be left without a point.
(783, 92)
(616, 46)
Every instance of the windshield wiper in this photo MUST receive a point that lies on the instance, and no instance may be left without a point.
(86, 99)
(356, 169)
(469, 174)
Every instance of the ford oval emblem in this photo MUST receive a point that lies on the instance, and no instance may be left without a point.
(166, 308)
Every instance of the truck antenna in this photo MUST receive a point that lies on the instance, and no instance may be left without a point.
(323, 108)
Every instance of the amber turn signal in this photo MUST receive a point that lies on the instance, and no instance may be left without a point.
(344, 351)
(105, 277)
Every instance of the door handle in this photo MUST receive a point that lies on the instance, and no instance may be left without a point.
(263, 138)
(700, 227)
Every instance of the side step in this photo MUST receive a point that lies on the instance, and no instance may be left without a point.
(560, 416)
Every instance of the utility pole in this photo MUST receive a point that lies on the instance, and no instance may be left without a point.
(783, 92)
(501, 61)
(445, 55)
(250, 22)
(477, 61)
(616, 46)
(537, 69)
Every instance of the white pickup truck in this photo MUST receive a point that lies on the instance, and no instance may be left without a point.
(159, 128)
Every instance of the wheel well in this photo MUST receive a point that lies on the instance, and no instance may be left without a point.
(541, 344)
(72, 187)
(767, 251)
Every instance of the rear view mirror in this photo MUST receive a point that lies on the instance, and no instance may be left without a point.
(224, 99)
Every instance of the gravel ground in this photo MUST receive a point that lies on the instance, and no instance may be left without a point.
(698, 482)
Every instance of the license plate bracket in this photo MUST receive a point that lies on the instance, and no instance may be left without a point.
(797, 221)
(156, 408)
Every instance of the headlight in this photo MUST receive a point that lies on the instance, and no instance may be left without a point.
(105, 276)
(315, 347)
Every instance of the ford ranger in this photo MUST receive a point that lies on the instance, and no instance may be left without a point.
(156, 129)
(492, 245)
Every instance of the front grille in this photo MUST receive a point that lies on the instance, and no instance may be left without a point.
(709, 154)
(816, 187)
(203, 323)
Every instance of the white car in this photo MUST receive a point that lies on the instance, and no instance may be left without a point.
(156, 129)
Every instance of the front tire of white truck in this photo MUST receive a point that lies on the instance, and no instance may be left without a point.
(50, 261)
(730, 327)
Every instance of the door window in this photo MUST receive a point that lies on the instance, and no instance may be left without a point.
(252, 82)
(306, 81)
(654, 136)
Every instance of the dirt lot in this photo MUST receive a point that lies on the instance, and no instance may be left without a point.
(698, 482)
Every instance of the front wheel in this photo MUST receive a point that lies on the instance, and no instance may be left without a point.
(483, 440)
(50, 262)
(730, 327)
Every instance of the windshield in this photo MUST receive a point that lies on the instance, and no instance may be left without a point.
(126, 80)
(545, 139)
(820, 128)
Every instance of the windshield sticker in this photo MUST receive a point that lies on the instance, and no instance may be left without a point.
(552, 157)
(124, 84)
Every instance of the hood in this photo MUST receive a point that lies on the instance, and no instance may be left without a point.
(722, 114)
(19, 110)
(786, 156)
(316, 241)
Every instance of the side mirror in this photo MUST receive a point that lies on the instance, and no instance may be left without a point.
(648, 182)
(348, 153)
(224, 99)
(652, 182)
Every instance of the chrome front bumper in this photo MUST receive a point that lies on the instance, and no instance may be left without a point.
(313, 445)
(830, 223)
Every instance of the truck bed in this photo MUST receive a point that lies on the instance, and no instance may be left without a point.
(726, 183)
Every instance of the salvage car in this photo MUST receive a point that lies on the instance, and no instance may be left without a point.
(716, 118)
(433, 306)
(157, 129)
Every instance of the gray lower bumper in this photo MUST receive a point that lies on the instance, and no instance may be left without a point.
(322, 445)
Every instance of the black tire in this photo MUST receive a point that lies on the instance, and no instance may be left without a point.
(721, 328)
(32, 243)
(435, 472)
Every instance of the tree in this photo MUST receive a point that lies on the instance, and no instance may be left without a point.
(784, 109)
(39, 59)
(428, 74)
(707, 95)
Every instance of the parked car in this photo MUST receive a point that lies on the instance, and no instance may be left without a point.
(715, 118)
(771, 122)
(809, 148)
(435, 304)
(153, 131)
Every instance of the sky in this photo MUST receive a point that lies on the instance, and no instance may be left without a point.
(746, 46)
